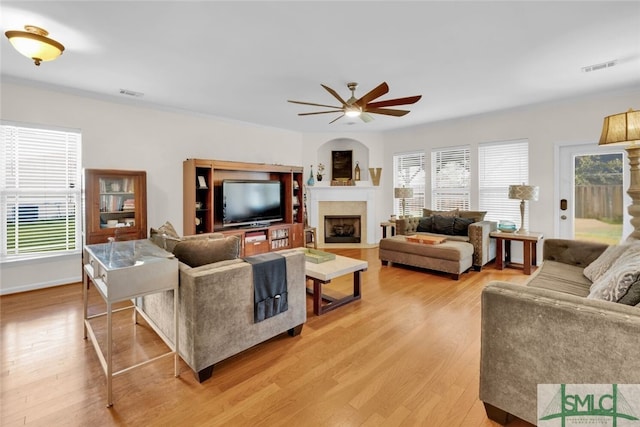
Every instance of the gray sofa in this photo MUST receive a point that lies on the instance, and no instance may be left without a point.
(548, 332)
(216, 309)
(484, 248)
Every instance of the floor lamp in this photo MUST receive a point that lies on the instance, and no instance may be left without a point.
(403, 193)
(624, 129)
(522, 193)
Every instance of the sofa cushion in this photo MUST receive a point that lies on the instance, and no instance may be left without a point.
(617, 280)
(600, 266)
(164, 236)
(557, 276)
(461, 226)
(632, 297)
(443, 224)
(429, 212)
(425, 224)
(476, 216)
(197, 252)
(448, 250)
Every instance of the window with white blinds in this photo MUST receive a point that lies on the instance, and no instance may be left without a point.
(40, 192)
(451, 178)
(409, 172)
(502, 164)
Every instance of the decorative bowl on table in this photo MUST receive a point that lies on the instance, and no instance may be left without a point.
(507, 226)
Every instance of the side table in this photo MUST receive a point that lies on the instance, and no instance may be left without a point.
(388, 224)
(123, 271)
(503, 249)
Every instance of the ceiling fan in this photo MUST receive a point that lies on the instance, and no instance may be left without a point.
(354, 107)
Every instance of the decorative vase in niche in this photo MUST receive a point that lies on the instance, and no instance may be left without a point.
(318, 177)
(310, 181)
(356, 173)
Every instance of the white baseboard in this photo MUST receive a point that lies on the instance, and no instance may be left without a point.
(42, 285)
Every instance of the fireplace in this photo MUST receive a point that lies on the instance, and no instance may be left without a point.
(342, 229)
(343, 201)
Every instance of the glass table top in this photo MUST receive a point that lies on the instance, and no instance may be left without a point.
(129, 253)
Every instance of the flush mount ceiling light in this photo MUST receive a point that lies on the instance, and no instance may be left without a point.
(34, 43)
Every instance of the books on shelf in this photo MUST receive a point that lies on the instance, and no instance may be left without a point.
(129, 205)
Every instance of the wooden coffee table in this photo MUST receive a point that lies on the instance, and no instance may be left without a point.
(321, 274)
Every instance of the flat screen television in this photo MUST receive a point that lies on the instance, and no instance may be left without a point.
(251, 202)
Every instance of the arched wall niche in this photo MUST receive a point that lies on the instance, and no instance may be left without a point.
(360, 155)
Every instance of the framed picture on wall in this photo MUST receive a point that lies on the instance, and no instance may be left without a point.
(341, 165)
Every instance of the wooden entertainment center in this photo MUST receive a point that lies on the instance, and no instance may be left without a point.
(202, 203)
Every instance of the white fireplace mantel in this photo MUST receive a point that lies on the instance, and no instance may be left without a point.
(319, 194)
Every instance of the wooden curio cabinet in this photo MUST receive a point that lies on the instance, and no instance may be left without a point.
(115, 205)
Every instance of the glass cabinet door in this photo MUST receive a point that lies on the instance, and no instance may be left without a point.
(117, 202)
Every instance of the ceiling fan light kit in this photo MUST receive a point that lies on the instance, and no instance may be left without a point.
(34, 43)
(354, 107)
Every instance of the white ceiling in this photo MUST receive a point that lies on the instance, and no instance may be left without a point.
(242, 60)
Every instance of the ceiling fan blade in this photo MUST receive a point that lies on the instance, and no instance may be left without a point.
(374, 93)
(311, 103)
(334, 93)
(336, 118)
(396, 101)
(387, 111)
(319, 112)
(366, 117)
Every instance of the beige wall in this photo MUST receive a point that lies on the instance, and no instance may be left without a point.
(546, 126)
(125, 136)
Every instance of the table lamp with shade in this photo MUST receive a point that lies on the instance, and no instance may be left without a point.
(403, 193)
(624, 129)
(523, 192)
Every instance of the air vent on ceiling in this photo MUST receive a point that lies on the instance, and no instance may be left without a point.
(600, 66)
(131, 93)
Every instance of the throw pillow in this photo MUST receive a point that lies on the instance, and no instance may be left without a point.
(165, 236)
(429, 212)
(601, 264)
(443, 224)
(461, 226)
(199, 252)
(617, 280)
(632, 297)
(477, 216)
(425, 224)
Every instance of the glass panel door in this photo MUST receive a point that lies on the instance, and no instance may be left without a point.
(592, 197)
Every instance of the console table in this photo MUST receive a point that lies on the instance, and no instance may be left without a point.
(529, 241)
(123, 271)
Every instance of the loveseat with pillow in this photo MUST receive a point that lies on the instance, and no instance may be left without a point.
(217, 303)
(576, 321)
(455, 226)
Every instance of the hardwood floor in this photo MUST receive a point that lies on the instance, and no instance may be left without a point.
(406, 354)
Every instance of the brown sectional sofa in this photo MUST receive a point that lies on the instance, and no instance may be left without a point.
(549, 332)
